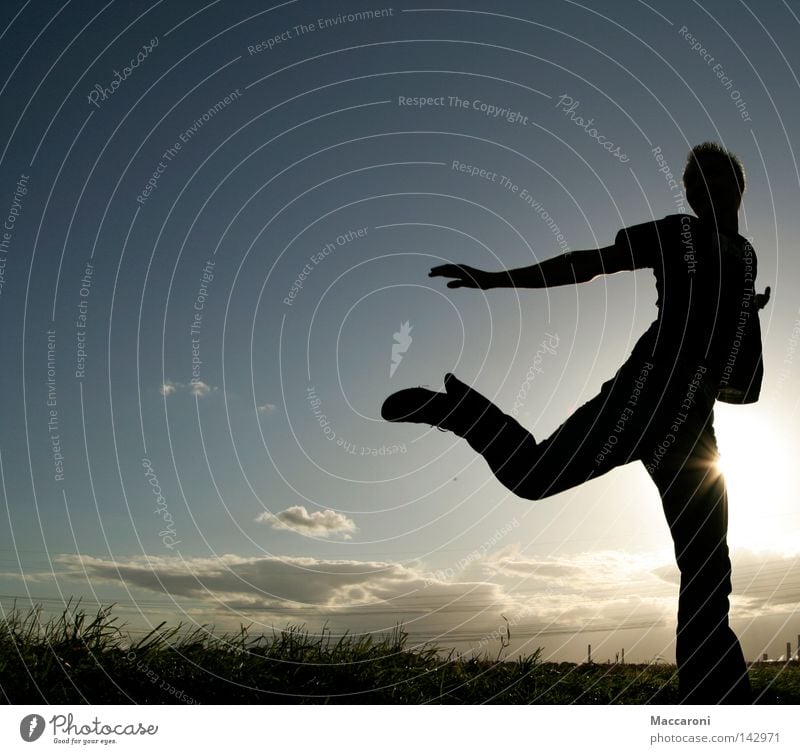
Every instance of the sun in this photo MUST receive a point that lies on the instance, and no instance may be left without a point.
(756, 461)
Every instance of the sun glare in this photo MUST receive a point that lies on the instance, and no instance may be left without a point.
(755, 459)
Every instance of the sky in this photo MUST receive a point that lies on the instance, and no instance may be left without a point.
(218, 222)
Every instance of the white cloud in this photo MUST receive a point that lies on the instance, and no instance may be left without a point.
(198, 388)
(169, 388)
(610, 599)
(592, 589)
(322, 523)
(359, 596)
(374, 595)
(267, 408)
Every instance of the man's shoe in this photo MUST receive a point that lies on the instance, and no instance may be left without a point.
(461, 410)
(417, 404)
(455, 387)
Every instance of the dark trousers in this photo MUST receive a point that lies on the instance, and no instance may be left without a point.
(668, 426)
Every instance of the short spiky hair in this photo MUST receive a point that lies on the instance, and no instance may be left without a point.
(710, 152)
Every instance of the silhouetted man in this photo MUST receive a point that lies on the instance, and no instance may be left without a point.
(658, 409)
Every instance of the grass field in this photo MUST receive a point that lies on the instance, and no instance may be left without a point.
(79, 658)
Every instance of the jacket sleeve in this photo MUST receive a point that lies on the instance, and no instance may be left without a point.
(643, 245)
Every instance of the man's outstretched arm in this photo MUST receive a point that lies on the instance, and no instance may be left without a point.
(565, 269)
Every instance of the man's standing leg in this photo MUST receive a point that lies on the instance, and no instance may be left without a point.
(711, 666)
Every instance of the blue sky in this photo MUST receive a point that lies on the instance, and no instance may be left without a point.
(241, 154)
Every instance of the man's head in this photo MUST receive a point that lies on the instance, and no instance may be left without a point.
(714, 180)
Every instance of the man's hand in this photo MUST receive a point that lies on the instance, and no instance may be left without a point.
(763, 298)
(463, 276)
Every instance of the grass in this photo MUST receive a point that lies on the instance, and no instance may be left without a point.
(78, 658)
